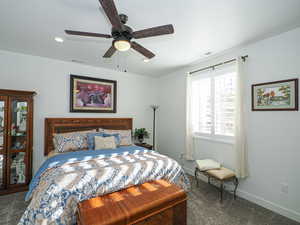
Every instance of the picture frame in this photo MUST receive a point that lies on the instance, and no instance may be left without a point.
(92, 95)
(279, 95)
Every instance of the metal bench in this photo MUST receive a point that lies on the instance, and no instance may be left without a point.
(222, 175)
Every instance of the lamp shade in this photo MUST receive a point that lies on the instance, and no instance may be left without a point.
(122, 45)
(154, 107)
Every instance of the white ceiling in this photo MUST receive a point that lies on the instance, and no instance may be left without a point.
(200, 26)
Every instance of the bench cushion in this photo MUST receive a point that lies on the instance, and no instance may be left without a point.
(221, 174)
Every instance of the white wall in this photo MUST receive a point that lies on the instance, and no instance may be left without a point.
(50, 79)
(273, 137)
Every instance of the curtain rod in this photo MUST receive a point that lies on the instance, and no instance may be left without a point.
(219, 64)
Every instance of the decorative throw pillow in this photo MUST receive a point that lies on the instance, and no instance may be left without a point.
(207, 164)
(125, 135)
(105, 142)
(73, 141)
(91, 138)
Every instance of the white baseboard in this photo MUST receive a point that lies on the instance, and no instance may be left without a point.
(269, 205)
(261, 201)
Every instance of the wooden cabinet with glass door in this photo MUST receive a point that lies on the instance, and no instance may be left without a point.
(16, 131)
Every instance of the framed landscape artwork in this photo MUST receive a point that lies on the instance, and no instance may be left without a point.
(278, 95)
(89, 94)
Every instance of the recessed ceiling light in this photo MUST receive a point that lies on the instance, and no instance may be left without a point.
(59, 39)
(146, 60)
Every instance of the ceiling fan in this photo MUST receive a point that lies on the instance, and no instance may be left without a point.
(122, 34)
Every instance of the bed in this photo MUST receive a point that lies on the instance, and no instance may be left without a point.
(66, 179)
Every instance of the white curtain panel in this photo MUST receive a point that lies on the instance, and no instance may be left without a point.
(240, 145)
(189, 127)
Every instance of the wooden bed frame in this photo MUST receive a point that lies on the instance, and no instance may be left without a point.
(64, 125)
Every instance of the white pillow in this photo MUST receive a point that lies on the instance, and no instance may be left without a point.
(207, 164)
(105, 142)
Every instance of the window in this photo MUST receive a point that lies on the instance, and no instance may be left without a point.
(212, 103)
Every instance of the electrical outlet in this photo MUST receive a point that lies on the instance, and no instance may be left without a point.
(284, 188)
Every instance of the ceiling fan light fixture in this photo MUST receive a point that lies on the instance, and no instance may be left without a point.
(59, 39)
(122, 45)
(122, 34)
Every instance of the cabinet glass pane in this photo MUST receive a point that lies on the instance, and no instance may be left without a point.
(17, 168)
(2, 105)
(1, 169)
(19, 125)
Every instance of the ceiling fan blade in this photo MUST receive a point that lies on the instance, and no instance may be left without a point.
(87, 34)
(145, 52)
(110, 52)
(112, 13)
(154, 31)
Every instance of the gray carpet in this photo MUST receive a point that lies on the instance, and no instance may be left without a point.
(11, 208)
(204, 208)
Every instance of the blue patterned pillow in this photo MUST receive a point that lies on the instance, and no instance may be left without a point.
(126, 138)
(73, 141)
(65, 143)
(91, 138)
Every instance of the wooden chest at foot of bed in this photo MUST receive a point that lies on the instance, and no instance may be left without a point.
(152, 203)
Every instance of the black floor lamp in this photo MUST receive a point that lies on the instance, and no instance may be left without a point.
(154, 107)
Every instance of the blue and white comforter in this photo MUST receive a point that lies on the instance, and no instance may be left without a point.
(66, 179)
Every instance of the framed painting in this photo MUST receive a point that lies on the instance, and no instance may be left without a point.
(91, 95)
(277, 95)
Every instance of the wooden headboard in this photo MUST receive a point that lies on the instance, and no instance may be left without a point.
(64, 125)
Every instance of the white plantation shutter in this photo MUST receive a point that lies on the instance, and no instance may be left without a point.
(212, 102)
(224, 104)
(202, 106)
